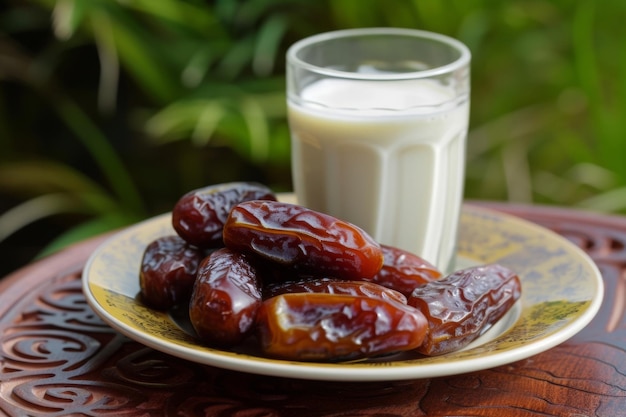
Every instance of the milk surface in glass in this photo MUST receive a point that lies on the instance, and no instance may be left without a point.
(389, 157)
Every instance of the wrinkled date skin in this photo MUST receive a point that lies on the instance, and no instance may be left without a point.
(306, 240)
(334, 286)
(333, 327)
(168, 272)
(199, 216)
(463, 305)
(225, 299)
(404, 271)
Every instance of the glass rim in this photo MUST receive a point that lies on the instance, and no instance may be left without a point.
(464, 58)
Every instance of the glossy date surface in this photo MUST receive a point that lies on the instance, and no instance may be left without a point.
(404, 271)
(225, 298)
(310, 286)
(464, 304)
(168, 272)
(332, 327)
(199, 216)
(334, 286)
(309, 241)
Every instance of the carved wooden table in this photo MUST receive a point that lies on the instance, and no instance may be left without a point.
(58, 358)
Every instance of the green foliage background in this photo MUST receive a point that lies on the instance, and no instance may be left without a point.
(110, 110)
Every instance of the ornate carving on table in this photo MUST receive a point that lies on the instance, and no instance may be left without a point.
(58, 358)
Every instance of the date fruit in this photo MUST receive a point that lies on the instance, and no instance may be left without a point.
(463, 305)
(334, 327)
(199, 216)
(334, 286)
(168, 272)
(306, 240)
(404, 271)
(225, 298)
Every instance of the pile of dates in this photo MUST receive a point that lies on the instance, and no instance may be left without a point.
(307, 286)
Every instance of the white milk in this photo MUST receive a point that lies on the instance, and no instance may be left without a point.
(396, 173)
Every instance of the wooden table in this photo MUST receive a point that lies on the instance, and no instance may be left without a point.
(58, 358)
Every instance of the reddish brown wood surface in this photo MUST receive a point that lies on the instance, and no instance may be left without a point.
(58, 358)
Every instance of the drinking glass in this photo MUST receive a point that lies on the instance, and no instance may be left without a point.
(378, 120)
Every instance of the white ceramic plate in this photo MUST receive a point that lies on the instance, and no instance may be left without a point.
(561, 292)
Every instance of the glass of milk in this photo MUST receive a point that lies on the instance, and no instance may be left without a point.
(378, 120)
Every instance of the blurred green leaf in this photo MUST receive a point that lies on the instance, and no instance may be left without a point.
(267, 45)
(88, 229)
(195, 117)
(67, 16)
(258, 126)
(188, 15)
(33, 210)
(102, 151)
(33, 177)
(611, 201)
(140, 54)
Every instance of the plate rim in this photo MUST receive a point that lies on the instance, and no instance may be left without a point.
(355, 372)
